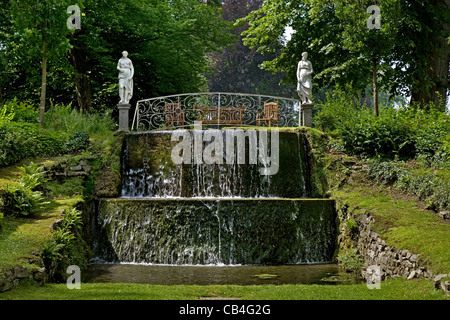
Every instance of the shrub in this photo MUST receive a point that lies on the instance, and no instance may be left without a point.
(388, 135)
(78, 140)
(337, 109)
(352, 226)
(65, 130)
(22, 198)
(6, 115)
(2, 223)
(66, 119)
(397, 133)
(21, 140)
(66, 245)
(428, 187)
(350, 260)
(21, 111)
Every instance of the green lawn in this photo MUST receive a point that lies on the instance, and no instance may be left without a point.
(398, 289)
(402, 221)
(23, 235)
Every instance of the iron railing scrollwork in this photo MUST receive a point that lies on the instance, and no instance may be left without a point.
(214, 108)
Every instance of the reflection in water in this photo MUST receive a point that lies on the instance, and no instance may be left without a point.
(206, 275)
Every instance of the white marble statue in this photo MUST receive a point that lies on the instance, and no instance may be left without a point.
(304, 85)
(126, 73)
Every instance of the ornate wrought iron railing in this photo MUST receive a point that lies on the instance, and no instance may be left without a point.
(215, 109)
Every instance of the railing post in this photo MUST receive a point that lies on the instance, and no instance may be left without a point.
(218, 111)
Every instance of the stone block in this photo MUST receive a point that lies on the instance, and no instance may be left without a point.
(412, 275)
(438, 279)
(445, 286)
(20, 272)
(77, 174)
(124, 111)
(444, 215)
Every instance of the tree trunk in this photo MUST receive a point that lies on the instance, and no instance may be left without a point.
(375, 87)
(437, 67)
(82, 84)
(438, 71)
(44, 83)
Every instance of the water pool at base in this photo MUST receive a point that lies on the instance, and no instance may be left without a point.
(327, 274)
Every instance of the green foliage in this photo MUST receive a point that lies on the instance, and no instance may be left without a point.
(168, 41)
(33, 175)
(352, 225)
(342, 48)
(389, 135)
(66, 243)
(68, 188)
(66, 130)
(397, 133)
(22, 198)
(19, 140)
(428, 187)
(77, 141)
(337, 108)
(2, 223)
(350, 260)
(51, 251)
(66, 119)
(20, 111)
(6, 115)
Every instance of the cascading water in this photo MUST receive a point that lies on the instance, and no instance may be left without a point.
(227, 212)
(148, 171)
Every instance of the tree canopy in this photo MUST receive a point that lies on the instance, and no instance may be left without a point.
(180, 46)
(167, 41)
(408, 50)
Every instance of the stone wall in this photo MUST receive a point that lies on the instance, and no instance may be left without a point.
(65, 170)
(391, 262)
(13, 276)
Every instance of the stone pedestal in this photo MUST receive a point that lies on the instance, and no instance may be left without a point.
(124, 112)
(306, 114)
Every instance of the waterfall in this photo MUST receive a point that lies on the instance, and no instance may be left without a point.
(208, 231)
(147, 170)
(215, 207)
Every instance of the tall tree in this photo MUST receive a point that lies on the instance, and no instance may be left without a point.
(41, 24)
(344, 50)
(367, 37)
(421, 49)
(166, 40)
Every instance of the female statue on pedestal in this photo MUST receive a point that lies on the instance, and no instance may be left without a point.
(304, 85)
(126, 73)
